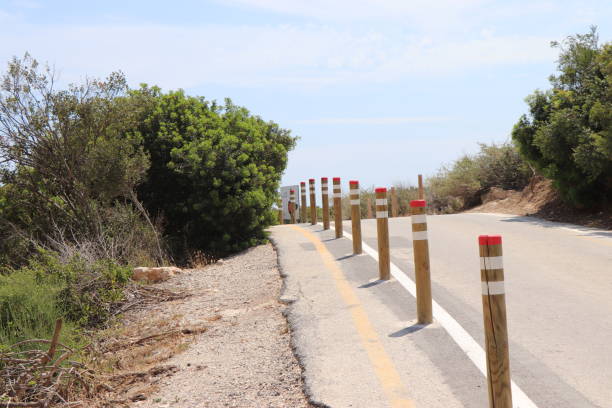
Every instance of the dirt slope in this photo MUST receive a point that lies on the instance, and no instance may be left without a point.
(539, 199)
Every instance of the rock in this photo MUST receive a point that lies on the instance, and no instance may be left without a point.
(287, 299)
(158, 274)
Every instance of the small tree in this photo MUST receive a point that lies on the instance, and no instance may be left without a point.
(568, 132)
(66, 158)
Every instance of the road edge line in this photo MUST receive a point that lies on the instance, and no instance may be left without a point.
(461, 337)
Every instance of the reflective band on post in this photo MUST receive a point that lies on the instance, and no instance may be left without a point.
(337, 195)
(493, 288)
(491, 262)
(418, 219)
(419, 235)
(382, 214)
(355, 202)
(381, 201)
(354, 191)
(324, 185)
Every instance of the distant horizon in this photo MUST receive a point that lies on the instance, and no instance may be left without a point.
(377, 91)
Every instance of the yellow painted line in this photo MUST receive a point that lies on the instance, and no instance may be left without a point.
(383, 366)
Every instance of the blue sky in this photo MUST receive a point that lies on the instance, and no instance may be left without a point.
(377, 90)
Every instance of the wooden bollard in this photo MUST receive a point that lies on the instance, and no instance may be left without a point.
(369, 208)
(355, 215)
(303, 208)
(382, 230)
(421, 189)
(292, 205)
(420, 247)
(337, 207)
(394, 205)
(325, 201)
(313, 202)
(496, 328)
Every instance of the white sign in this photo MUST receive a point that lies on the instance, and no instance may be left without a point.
(285, 201)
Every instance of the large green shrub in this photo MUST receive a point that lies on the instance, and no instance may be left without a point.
(568, 132)
(214, 171)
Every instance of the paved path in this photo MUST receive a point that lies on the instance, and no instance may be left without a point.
(558, 284)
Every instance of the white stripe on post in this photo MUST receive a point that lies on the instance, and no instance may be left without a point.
(355, 202)
(354, 191)
(382, 214)
(419, 235)
(381, 201)
(493, 288)
(419, 218)
(491, 262)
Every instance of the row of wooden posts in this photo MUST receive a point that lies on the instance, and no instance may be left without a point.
(491, 267)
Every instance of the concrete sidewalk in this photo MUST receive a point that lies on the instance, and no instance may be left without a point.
(356, 337)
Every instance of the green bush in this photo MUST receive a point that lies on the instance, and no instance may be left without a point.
(84, 294)
(462, 184)
(567, 135)
(214, 172)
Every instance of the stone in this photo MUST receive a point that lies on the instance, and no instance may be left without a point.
(287, 299)
(156, 274)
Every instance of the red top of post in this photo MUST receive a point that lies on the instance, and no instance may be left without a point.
(292, 191)
(302, 183)
(381, 190)
(353, 182)
(490, 240)
(323, 178)
(336, 178)
(311, 180)
(418, 203)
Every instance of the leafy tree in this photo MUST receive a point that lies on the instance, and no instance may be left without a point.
(66, 158)
(568, 132)
(214, 170)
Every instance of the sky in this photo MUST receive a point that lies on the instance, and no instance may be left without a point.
(377, 91)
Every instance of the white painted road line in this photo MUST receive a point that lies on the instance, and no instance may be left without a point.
(463, 339)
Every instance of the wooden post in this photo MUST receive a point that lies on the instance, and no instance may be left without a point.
(394, 209)
(421, 189)
(369, 208)
(313, 202)
(355, 215)
(337, 207)
(292, 205)
(382, 230)
(325, 201)
(420, 247)
(279, 204)
(494, 313)
(303, 209)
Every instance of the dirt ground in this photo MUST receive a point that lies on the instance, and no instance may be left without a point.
(226, 345)
(539, 199)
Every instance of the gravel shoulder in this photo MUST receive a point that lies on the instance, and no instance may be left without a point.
(244, 358)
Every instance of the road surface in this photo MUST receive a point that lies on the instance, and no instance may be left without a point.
(558, 286)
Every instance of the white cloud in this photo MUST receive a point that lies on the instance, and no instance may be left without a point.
(27, 4)
(372, 121)
(287, 55)
(344, 10)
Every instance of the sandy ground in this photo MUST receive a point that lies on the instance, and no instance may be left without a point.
(244, 358)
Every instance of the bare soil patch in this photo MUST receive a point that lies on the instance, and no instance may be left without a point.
(539, 199)
(225, 345)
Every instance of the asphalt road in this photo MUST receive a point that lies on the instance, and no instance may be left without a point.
(559, 303)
